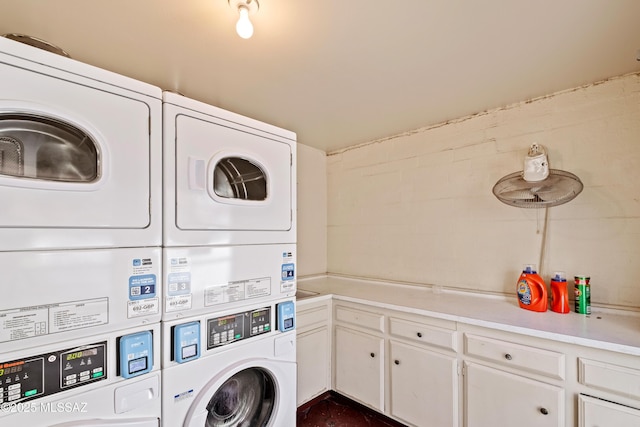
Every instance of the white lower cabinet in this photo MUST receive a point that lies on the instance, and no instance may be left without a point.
(313, 363)
(497, 398)
(359, 369)
(423, 389)
(594, 412)
(313, 349)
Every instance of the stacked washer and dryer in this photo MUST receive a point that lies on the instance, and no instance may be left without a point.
(121, 206)
(229, 241)
(80, 243)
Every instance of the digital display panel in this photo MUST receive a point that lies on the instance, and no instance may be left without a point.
(137, 365)
(189, 351)
(83, 353)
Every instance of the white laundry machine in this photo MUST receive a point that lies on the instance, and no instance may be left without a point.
(54, 296)
(228, 179)
(110, 379)
(233, 368)
(207, 279)
(80, 154)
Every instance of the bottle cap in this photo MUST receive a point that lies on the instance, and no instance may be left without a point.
(529, 269)
(559, 276)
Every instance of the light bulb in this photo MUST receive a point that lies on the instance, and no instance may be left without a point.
(244, 28)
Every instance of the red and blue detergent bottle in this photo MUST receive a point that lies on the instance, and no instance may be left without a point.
(531, 289)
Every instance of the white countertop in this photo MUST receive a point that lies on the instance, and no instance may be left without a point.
(604, 329)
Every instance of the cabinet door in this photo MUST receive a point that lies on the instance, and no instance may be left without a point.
(498, 398)
(424, 388)
(313, 363)
(601, 413)
(359, 360)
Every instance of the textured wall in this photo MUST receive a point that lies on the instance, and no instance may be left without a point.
(418, 207)
(312, 211)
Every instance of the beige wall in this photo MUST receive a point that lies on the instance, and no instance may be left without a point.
(418, 207)
(312, 211)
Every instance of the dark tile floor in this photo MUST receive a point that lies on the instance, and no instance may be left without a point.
(334, 410)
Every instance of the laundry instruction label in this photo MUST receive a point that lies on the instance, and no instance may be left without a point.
(237, 291)
(28, 322)
(288, 273)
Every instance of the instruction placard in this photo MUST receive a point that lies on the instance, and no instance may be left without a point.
(28, 322)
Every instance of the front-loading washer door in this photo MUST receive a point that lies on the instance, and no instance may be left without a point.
(246, 395)
(245, 399)
(231, 179)
(71, 155)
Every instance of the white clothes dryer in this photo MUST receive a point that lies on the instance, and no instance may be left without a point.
(80, 154)
(235, 368)
(111, 379)
(207, 279)
(228, 179)
(54, 296)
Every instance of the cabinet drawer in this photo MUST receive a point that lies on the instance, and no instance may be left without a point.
(423, 333)
(364, 319)
(313, 316)
(616, 379)
(521, 357)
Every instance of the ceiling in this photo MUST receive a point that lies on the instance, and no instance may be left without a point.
(338, 72)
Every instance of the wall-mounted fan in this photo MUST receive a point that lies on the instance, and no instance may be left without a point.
(537, 186)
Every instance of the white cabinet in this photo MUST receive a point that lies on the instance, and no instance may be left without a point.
(313, 349)
(612, 382)
(594, 412)
(423, 386)
(359, 367)
(497, 398)
(510, 383)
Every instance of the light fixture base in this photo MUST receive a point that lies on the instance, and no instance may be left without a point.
(251, 5)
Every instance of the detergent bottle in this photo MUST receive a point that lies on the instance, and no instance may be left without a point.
(559, 293)
(532, 291)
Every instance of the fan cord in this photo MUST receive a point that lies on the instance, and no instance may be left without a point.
(543, 243)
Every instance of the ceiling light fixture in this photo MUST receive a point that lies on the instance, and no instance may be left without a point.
(244, 28)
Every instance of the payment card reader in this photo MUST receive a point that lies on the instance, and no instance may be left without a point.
(136, 354)
(186, 342)
(286, 316)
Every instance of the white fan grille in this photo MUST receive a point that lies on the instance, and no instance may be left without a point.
(558, 188)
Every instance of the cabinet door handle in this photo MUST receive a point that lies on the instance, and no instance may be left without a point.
(508, 356)
(373, 354)
(397, 362)
(419, 334)
(544, 411)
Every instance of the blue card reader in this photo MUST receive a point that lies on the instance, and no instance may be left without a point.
(186, 342)
(286, 316)
(136, 354)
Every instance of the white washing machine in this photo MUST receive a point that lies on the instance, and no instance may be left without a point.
(206, 279)
(80, 154)
(53, 296)
(228, 179)
(106, 380)
(232, 368)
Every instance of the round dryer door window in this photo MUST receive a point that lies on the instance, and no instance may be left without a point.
(237, 178)
(246, 399)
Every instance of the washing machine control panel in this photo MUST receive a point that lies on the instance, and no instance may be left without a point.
(49, 373)
(235, 327)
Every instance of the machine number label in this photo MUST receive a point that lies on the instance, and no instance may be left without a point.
(28, 322)
(142, 287)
